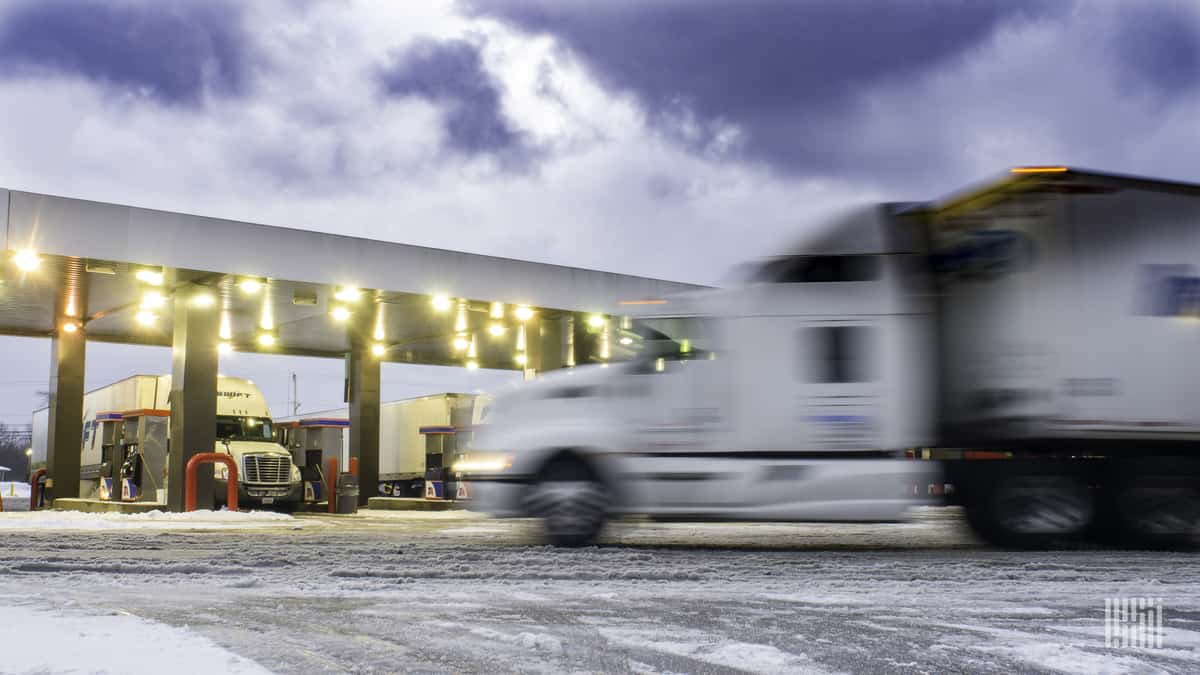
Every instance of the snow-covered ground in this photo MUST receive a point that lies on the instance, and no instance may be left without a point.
(459, 593)
(152, 520)
(15, 496)
(81, 642)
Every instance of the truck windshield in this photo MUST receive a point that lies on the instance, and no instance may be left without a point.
(231, 428)
(672, 338)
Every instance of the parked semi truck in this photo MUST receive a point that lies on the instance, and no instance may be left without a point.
(420, 440)
(1036, 337)
(125, 439)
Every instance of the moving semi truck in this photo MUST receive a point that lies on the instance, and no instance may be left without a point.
(420, 440)
(1036, 338)
(125, 437)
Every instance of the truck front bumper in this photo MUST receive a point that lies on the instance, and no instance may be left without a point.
(500, 498)
(260, 494)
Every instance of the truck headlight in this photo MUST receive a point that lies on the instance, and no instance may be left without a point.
(482, 463)
(295, 473)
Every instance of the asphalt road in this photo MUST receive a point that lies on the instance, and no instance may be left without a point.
(459, 593)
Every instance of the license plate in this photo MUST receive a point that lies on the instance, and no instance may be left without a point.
(268, 500)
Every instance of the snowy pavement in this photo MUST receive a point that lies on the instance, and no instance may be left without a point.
(453, 592)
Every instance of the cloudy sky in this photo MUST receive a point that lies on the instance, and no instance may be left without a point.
(668, 138)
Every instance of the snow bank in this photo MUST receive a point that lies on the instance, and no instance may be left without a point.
(73, 642)
(14, 490)
(153, 520)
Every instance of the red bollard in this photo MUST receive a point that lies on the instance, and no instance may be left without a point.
(354, 466)
(331, 472)
(231, 493)
(35, 488)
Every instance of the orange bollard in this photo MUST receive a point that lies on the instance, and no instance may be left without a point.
(331, 472)
(354, 466)
(231, 491)
(35, 488)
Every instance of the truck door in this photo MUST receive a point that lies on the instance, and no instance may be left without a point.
(680, 404)
(838, 370)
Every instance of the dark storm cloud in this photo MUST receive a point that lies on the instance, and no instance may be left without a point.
(1158, 45)
(451, 74)
(786, 73)
(174, 51)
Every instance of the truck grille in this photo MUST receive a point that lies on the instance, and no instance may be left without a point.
(266, 469)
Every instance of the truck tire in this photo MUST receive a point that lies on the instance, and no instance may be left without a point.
(1031, 511)
(571, 501)
(1151, 510)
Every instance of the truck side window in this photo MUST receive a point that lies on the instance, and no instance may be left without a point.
(838, 353)
(819, 268)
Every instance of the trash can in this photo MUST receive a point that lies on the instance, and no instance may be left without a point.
(347, 493)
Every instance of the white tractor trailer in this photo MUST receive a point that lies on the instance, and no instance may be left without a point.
(1033, 339)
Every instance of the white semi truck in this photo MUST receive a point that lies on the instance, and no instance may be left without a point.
(125, 436)
(1036, 337)
(420, 439)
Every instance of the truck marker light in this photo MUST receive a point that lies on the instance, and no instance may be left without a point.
(626, 340)
(521, 359)
(27, 260)
(595, 321)
(496, 329)
(250, 286)
(340, 313)
(145, 318)
(1038, 169)
(70, 327)
(266, 339)
(461, 343)
(523, 313)
(472, 365)
(497, 311)
(378, 349)
(149, 277)
(224, 348)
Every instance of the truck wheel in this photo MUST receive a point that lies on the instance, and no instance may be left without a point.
(571, 501)
(1035, 511)
(1157, 512)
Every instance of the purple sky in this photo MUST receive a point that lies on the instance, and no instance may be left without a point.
(669, 138)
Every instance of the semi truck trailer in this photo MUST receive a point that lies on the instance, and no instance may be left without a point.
(1030, 342)
(125, 441)
(420, 440)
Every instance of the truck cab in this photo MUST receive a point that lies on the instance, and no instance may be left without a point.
(789, 396)
(266, 473)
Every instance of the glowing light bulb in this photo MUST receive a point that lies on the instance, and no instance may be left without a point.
(496, 329)
(27, 260)
(461, 343)
(348, 294)
(153, 300)
(266, 339)
(70, 327)
(472, 365)
(340, 314)
(497, 310)
(149, 277)
(203, 300)
(224, 348)
(145, 318)
(441, 303)
(378, 349)
(521, 359)
(595, 321)
(626, 340)
(250, 286)
(523, 313)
